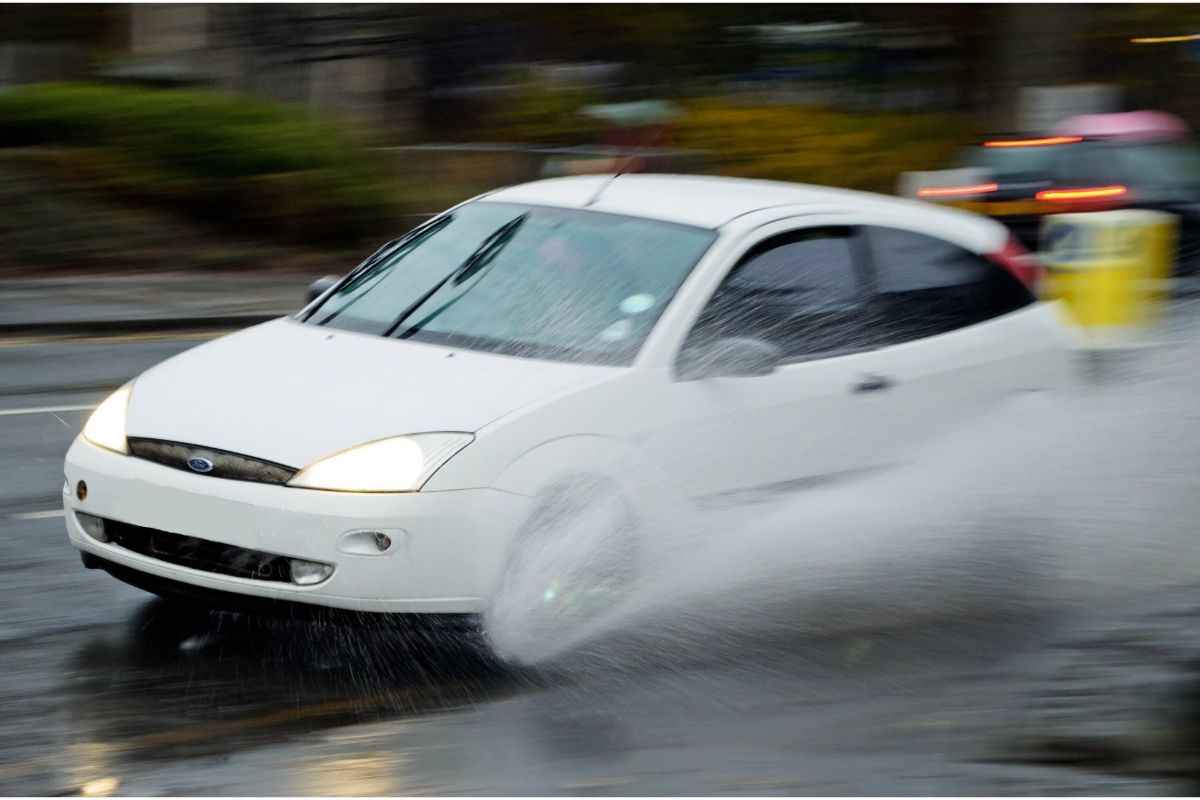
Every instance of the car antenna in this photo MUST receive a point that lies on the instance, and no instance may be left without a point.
(601, 189)
(653, 138)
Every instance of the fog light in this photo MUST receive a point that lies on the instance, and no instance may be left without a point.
(307, 573)
(92, 526)
(382, 541)
(81, 491)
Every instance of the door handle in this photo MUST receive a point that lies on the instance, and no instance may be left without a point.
(872, 383)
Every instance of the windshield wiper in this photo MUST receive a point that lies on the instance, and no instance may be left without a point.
(366, 270)
(478, 260)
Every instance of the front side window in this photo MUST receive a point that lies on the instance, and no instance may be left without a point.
(529, 281)
(800, 291)
(926, 286)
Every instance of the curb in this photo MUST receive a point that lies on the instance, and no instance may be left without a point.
(146, 325)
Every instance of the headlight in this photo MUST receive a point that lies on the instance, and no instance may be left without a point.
(106, 426)
(400, 464)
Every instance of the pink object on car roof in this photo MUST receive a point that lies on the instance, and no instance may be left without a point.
(1141, 125)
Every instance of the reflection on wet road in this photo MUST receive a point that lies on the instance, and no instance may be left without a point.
(174, 683)
(174, 703)
(106, 690)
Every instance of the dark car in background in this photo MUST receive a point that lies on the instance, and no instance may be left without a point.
(1090, 163)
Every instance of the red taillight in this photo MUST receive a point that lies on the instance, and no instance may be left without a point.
(1021, 263)
(957, 191)
(1086, 193)
(1043, 141)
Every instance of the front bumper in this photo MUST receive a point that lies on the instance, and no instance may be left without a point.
(447, 552)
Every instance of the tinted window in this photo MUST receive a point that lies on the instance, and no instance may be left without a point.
(1149, 166)
(1166, 163)
(526, 281)
(800, 292)
(926, 286)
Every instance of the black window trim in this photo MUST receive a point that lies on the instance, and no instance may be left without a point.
(869, 261)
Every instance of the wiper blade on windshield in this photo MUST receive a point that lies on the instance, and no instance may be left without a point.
(490, 248)
(366, 270)
(478, 260)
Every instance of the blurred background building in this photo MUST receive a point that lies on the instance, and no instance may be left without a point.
(394, 67)
(433, 103)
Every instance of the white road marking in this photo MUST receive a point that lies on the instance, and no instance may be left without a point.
(58, 512)
(12, 412)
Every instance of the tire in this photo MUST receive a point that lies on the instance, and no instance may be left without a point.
(570, 567)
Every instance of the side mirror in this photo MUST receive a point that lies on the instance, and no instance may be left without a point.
(729, 357)
(320, 286)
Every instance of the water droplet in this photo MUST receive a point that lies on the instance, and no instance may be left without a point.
(636, 303)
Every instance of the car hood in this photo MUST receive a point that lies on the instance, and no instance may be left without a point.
(293, 393)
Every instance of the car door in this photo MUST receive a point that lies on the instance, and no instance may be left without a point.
(818, 415)
(956, 333)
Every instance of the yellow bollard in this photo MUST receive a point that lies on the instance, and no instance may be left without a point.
(1111, 270)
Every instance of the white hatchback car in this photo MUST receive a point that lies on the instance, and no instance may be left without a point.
(682, 342)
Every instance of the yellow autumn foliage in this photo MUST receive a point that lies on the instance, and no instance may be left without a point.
(815, 145)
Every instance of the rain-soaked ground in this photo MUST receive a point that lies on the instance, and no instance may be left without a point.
(899, 636)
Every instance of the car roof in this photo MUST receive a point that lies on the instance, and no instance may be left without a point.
(713, 202)
(1130, 126)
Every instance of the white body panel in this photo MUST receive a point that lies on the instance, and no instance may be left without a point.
(293, 393)
(427, 569)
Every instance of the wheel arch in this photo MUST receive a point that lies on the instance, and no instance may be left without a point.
(557, 462)
(550, 463)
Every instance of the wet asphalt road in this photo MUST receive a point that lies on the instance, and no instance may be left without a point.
(104, 688)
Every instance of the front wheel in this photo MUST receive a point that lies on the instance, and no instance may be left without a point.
(570, 567)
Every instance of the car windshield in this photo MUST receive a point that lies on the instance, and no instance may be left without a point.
(531, 281)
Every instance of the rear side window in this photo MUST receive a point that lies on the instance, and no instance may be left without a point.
(800, 291)
(925, 286)
(1145, 166)
(1168, 164)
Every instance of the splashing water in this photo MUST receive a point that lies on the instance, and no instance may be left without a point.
(1045, 501)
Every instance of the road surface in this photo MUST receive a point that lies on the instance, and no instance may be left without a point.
(107, 690)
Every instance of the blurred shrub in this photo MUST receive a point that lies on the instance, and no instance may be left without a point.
(813, 145)
(48, 223)
(43, 226)
(770, 141)
(541, 111)
(223, 158)
(54, 215)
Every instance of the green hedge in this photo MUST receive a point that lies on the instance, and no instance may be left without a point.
(214, 150)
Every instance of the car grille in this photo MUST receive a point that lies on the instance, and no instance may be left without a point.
(233, 466)
(201, 554)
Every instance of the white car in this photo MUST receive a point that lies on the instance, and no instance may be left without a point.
(674, 343)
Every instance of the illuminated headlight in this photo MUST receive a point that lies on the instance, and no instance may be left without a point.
(399, 464)
(106, 426)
